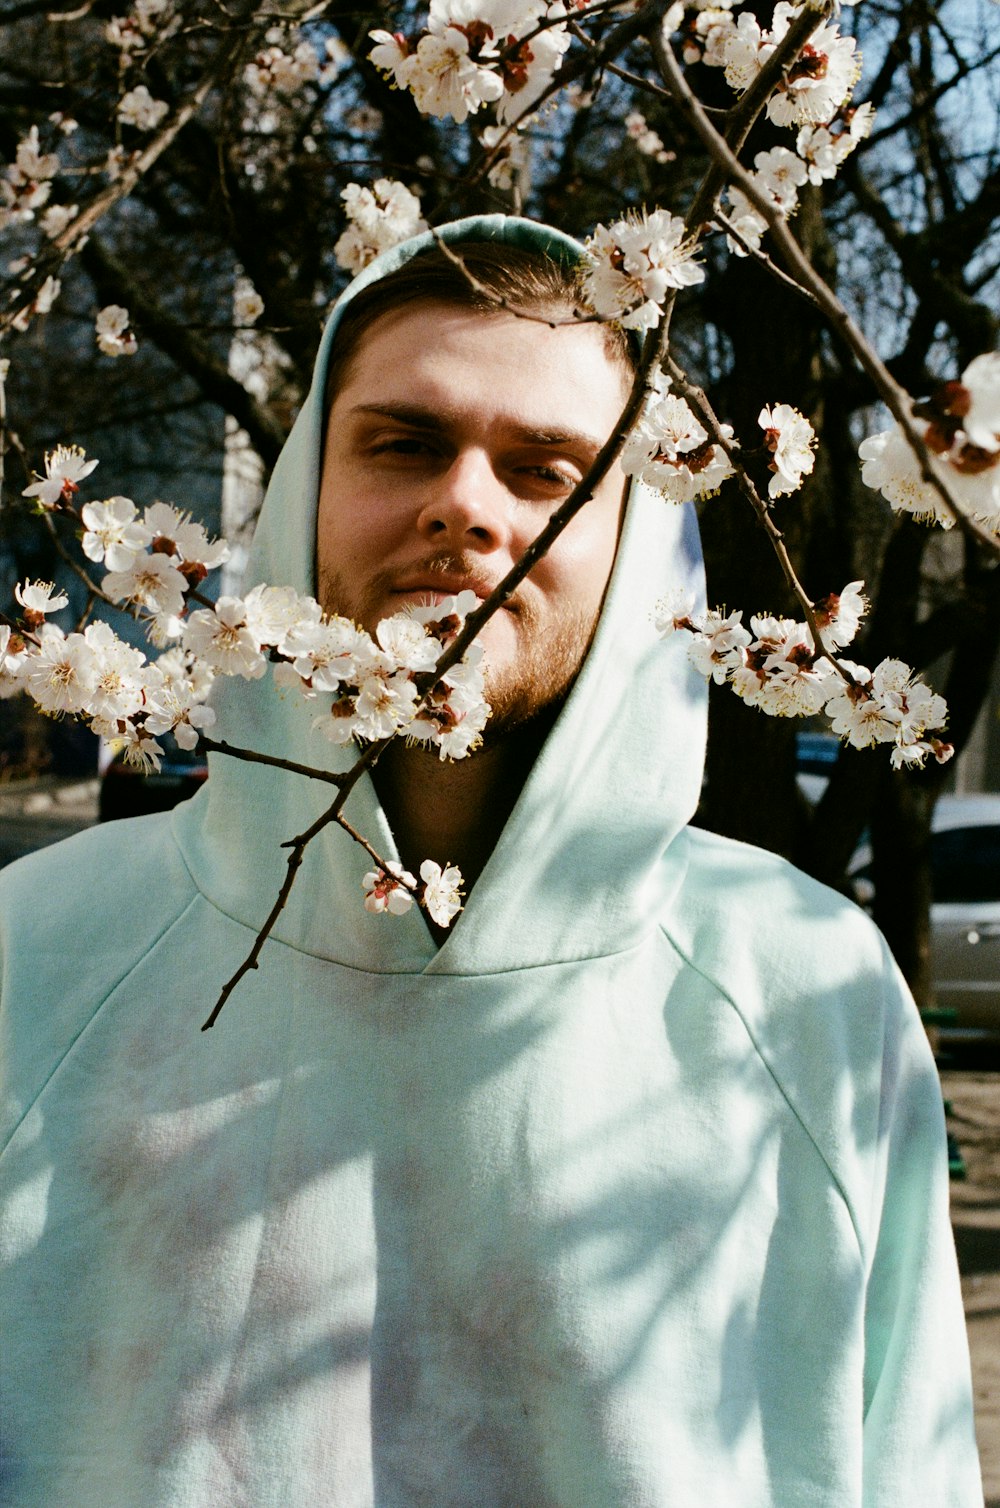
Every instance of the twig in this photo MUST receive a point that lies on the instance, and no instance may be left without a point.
(578, 317)
(724, 223)
(897, 400)
(296, 847)
(94, 590)
(696, 397)
(616, 41)
(373, 853)
(252, 756)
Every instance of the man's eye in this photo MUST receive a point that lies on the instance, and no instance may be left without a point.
(552, 474)
(402, 445)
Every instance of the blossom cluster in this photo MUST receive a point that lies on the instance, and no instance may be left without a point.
(284, 66)
(147, 19)
(475, 53)
(960, 424)
(372, 681)
(810, 92)
(394, 890)
(647, 141)
(154, 561)
(670, 451)
(379, 217)
(27, 182)
(632, 265)
(812, 97)
(777, 666)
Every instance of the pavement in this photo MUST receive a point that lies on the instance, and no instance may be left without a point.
(975, 1218)
(34, 813)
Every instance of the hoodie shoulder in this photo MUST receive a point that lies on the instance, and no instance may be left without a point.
(821, 999)
(75, 919)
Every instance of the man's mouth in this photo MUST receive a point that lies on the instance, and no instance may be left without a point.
(433, 592)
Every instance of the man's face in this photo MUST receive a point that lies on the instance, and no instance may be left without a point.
(452, 439)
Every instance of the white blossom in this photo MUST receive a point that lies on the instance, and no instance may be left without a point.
(442, 891)
(673, 613)
(790, 438)
(670, 451)
(13, 658)
(176, 707)
(445, 80)
(839, 615)
(380, 217)
(744, 50)
(188, 541)
(981, 421)
(31, 164)
(39, 598)
(152, 582)
(716, 645)
(327, 653)
(528, 70)
(647, 141)
(139, 748)
(248, 306)
(65, 469)
(272, 612)
(221, 638)
(391, 889)
(114, 338)
(61, 673)
(273, 68)
(112, 532)
(632, 265)
(56, 218)
(824, 149)
(780, 174)
(820, 79)
(747, 222)
(890, 467)
(384, 705)
(138, 108)
(118, 675)
(403, 638)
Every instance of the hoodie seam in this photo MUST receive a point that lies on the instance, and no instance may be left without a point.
(168, 926)
(415, 973)
(773, 1075)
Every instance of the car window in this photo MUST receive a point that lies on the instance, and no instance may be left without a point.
(965, 864)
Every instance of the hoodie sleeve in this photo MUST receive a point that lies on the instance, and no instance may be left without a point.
(919, 1435)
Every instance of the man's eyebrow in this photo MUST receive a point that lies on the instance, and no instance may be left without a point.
(418, 417)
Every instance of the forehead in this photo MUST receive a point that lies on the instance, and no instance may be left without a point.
(460, 358)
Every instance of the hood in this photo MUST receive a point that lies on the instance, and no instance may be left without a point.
(587, 860)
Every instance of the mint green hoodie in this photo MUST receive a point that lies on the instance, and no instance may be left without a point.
(631, 1195)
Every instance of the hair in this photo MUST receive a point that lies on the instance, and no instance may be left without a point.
(507, 278)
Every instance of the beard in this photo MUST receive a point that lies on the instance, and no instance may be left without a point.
(548, 655)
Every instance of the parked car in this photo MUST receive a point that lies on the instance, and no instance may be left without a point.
(127, 792)
(965, 917)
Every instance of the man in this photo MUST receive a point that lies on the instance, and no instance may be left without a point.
(629, 1190)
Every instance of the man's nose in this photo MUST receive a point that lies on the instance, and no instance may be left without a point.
(468, 506)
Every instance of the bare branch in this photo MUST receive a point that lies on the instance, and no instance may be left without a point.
(895, 397)
(253, 756)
